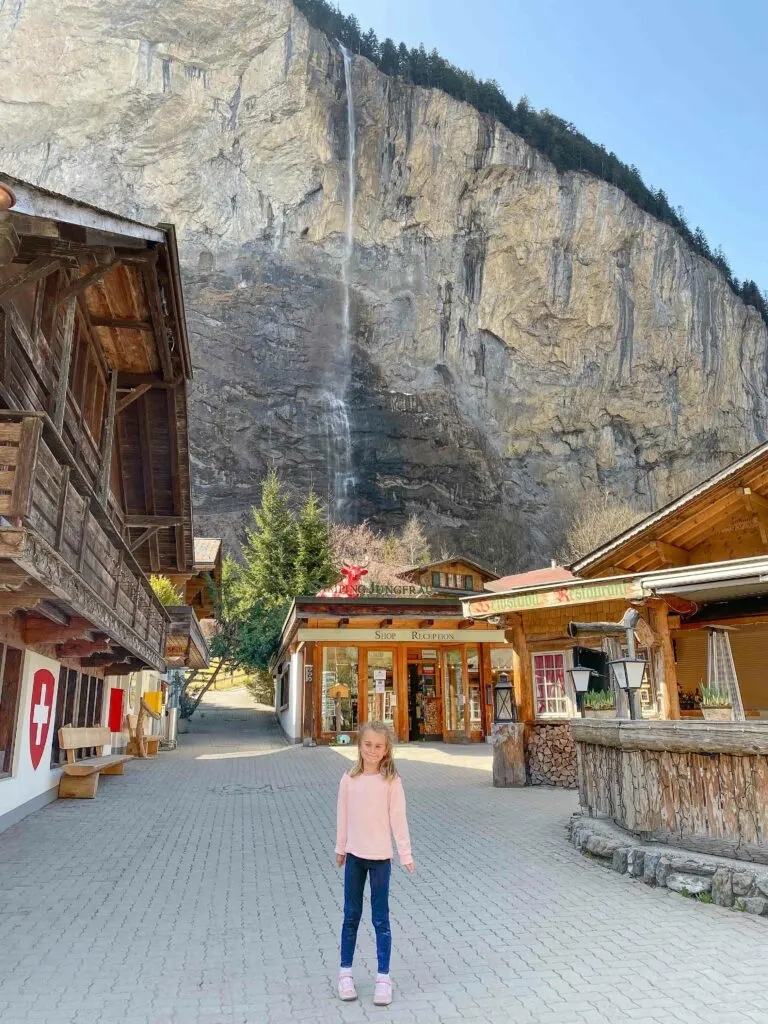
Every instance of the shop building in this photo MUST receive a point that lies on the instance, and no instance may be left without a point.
(697, 573)
(415, 662)
(94, 476)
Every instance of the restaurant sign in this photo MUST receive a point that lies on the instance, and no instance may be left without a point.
(414, 636)
(580, 593)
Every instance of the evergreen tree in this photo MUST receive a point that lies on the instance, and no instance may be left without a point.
(314, 562)
(270, 547)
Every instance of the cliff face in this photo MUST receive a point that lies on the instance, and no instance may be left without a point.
(514, 334)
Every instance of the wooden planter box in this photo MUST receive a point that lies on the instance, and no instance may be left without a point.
(718, 714)
(602, 713)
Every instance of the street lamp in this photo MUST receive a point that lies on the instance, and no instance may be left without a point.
(504, 707)
(580, 677)
(629, 672)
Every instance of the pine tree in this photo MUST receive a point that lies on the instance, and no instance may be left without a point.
(270, 547)
(314, 562)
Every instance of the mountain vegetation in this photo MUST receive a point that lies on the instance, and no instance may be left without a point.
(559, 140)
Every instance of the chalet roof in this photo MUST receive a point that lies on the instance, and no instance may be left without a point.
(550, 575)
(482, 569)
(674, 534)
(207, 550)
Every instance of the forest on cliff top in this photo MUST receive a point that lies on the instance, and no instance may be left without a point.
(559, 140)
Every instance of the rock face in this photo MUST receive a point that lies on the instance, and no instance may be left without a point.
(515, 334)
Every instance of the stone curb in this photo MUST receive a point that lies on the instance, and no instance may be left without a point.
(741, 886)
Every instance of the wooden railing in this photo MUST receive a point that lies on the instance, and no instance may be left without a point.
(184, 630)
(44, 490)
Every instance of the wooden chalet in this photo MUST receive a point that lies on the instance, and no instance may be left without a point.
(452, 576)
(697, 572)
(94, 468)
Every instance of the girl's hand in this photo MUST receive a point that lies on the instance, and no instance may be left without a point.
(410, 868)
(341, 859)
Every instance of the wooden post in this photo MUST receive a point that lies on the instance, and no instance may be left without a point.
(107, 440)
(84, 536)
(670, 701)
(61, 512)
(509, 755)
(521, 661)
(62, 384)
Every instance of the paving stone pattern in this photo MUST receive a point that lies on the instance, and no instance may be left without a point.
(200, 888)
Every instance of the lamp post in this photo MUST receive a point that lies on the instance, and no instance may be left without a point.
(580, 677)
(504, 707)
(629, 673)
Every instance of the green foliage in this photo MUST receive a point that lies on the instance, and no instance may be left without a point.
(599, 700)
(713, 697)
(165, 591)
(259, 635)
(557, 139)
(270, 548)
(705, 897)
(314, 566)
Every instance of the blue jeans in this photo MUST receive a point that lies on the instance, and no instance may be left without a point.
(355, 872)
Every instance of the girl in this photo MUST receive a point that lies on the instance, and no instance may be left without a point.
(371, 803)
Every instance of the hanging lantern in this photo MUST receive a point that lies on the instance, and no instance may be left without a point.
(504, 707)
(629, 672)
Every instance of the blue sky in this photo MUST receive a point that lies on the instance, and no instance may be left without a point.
(676, 87)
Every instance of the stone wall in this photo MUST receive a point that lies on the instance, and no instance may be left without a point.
(702, 786)
(551, 755)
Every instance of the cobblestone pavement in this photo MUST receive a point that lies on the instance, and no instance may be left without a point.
(200, 888)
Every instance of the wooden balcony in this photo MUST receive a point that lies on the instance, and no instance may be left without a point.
(185, 644)
(55, 530)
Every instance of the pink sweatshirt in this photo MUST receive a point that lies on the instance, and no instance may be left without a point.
(369, 806)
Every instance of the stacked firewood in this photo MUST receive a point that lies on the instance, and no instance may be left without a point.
(551, 756)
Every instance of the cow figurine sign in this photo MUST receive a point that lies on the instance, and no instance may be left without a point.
(349, 585)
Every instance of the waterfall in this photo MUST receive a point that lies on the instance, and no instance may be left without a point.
(342, 480)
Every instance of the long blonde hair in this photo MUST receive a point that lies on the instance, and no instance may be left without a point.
(387, 766)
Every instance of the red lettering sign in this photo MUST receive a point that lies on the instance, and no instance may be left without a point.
(40, 714)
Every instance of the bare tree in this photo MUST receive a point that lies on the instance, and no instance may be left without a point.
(598, 517)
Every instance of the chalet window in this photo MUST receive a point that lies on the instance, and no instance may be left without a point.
(469, 583)
(452, 581)
(549, 684)
(435, 579)
(10, 693)
(79, 702)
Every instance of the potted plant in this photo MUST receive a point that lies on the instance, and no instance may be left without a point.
(716, 704)
(599, 704)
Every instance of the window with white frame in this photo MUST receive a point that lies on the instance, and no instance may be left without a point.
(549, 690)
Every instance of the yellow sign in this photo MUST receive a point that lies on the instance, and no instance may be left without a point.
(580, 593)
(414, 636)
(338, 692)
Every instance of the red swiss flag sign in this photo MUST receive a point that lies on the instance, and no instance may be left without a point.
(40, 714)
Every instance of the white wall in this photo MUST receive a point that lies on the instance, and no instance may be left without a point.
(27, 784)
(291, 718)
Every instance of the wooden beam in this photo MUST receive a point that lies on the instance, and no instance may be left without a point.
(131, 397)
(82, 283)
(116, 324)
(426, 623)
(384, 623)
(135, 380)
(108, 438)
(343, 622)
(62, 384)
(150, 519)
(152, 288)
(43, 631)
(153, 520)
(670, 554)
(52, 612)
(466, 623)
(148, 534)
(755, 501)
(41, 267)
(106, 658)
(173, 438)
(82, 648)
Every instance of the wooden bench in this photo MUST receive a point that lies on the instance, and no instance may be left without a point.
(81, 778)
(151, 743)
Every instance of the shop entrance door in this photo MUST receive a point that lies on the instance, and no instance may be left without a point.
(424, 718)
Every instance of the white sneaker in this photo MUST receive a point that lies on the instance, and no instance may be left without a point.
(382, 992)
(347, 990)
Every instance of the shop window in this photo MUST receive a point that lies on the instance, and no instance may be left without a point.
(80, 703)
(285, 688)
(469, 583)
(381, 686)
(339, 694)
(11, 659)
(549, 685)
(475, 700)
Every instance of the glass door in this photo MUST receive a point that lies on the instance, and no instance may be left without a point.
(382, 696)
(424, 696)
(455, 697)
